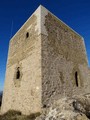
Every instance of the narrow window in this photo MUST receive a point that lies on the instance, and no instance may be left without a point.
(76, 78)
(0, 103)
(0, 99)
(44, 106)
(27, 34)
(18, 73)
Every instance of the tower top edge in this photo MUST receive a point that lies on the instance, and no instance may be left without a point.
(38, 11)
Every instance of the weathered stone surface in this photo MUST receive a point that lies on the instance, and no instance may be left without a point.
(24, 94)
(64, 109)
(63, 61)
(46, 61)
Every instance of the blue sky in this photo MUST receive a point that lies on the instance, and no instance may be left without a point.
(75, 13)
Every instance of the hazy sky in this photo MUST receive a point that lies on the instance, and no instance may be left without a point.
(75, 13)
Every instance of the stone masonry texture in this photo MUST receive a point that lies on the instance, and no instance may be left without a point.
(52, 63)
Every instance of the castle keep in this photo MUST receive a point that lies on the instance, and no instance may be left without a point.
(46, 61)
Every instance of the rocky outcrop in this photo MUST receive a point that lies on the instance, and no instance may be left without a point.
(66, 108)
(75, 108)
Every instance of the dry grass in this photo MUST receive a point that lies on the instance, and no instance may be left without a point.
(16, 115)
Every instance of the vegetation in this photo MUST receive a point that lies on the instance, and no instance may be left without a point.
(16, 115)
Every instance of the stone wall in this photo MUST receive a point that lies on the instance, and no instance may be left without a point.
(63, 53)
(46, 60)
(23, 92)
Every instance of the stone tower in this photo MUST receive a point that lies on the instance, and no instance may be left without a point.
(46, 60)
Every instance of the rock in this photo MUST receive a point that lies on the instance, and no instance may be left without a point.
(66, 108)
(78, 106)
(75, 108)
(81, 117)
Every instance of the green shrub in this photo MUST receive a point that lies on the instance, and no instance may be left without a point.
(33, 115)
(16, 115)
(10, 115)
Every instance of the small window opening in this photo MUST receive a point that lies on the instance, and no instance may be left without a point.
(44, 106)
(76, 78)
(18, 73)
(27, 34)
(0, 99)
(0, 103)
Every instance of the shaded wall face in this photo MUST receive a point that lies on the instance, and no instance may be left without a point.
(22, 89)
(63, 52)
